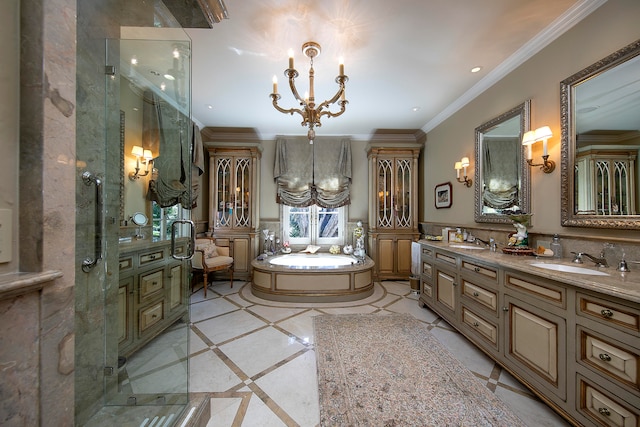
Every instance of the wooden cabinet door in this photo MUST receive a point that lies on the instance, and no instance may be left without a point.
(385, 256)
(446, 298)
(403, 256)
(536, 340)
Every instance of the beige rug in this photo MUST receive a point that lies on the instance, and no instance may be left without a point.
(388, 370)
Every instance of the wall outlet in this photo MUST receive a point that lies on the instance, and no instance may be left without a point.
(6, 235)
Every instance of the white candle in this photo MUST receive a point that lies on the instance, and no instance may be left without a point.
(275, 84)
(529, 152)
(291, 59)
(544, 147)
(341, 63)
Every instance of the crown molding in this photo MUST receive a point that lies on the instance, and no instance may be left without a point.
(559, 26)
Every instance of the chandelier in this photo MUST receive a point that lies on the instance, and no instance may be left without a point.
(309, 112)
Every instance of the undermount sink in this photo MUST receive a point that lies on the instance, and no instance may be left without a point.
(463, 246)
(569, 269)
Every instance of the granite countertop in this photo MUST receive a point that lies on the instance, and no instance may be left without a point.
(138, 245)
(615, 283)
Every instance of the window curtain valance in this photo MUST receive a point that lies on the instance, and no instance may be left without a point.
(325, 163)
(500, 170)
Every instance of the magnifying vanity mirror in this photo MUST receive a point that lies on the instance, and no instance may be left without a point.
(600, 119)
(501, 174)
(140, 220)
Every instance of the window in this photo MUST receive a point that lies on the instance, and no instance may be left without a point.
(313, 225)
(163, 218)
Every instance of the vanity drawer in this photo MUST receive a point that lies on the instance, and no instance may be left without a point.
(605, 409)
(427, 289)
(151, 283)
(601, 355)
(427, 270)
(426, 252)
(125, 263)
(537, 287)
(609, 313)
(446, 258)
(486, 329)
(151, 315)
(486, 272)
(150, 257)
(480, 295)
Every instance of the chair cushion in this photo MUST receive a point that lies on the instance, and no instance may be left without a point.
(218, 261)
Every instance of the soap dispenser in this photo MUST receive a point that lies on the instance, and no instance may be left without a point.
(556, 247)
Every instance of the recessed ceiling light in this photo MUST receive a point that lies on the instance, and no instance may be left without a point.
(476, 69)
(134, 61)
(210, 107)
(169, 77)
(414, 109)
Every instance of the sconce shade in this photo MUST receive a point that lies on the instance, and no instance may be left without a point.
(457, 166)
(529, 137)
(148, 155)
(465, 162)
(543, 133)
(137, 151)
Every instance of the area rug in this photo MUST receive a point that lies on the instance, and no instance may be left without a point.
(389, 370)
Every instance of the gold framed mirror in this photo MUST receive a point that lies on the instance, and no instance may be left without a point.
(600, 123)
(502, 184)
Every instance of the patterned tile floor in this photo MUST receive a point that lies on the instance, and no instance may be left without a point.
(257, 357)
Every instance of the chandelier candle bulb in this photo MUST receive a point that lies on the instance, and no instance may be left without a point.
(275, 84)
(341, 63)
(291, 59)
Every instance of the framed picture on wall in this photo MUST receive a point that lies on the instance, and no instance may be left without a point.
(443, 195)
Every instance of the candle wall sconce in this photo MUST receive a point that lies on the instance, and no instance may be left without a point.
(463, 164)
(541, 134)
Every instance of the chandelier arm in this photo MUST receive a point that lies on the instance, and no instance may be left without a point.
(337, 95)
(286, 111)
(292, 85)
(343, 105)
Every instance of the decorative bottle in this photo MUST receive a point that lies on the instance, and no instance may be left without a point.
(556, 247)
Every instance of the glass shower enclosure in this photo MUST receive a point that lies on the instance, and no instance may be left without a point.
(132, 297)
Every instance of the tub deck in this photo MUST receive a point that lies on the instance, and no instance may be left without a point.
(312, 283)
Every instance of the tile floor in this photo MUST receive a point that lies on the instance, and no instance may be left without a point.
(257, 357)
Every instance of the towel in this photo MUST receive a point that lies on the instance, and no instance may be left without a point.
(415, 258)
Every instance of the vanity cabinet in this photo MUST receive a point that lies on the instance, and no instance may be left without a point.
(577, 349)
(234, 174)
(393, 209)
(152, 295)
(608, 356)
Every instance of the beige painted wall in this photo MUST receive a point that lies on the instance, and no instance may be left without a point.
(611, 27)
(9, 118)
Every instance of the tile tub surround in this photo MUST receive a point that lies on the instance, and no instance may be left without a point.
(257, 357)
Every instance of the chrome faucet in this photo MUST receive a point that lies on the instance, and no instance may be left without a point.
(491, 244)
(600, 262)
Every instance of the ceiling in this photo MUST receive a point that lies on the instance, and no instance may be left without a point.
(399, 56)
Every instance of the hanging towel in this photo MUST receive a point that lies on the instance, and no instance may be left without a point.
(415, 258)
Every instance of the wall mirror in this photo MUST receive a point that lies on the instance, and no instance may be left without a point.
(501, 174)
(600, 120)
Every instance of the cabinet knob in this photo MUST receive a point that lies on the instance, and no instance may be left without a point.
(505, 309)
(477, 269)
(153, 316)
(606, 313)
(604, 411)
(476, 324)
(476, 294)
(605, 357)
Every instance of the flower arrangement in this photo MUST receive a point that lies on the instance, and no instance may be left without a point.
(285, 247)
(334, 249)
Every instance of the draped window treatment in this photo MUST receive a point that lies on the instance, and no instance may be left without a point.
(500, 172)
(325, 163)
(166, 132)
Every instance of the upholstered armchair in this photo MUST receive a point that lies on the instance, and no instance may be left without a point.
(208, 258)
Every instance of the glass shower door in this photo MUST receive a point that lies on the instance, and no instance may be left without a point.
(146, 314)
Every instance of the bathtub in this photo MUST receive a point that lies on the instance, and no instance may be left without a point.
(319, 277)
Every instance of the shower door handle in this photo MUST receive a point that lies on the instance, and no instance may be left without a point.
(88, 263)
(192, 243)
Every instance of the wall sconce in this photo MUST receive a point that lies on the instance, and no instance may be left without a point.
(533, 136)
(147, 157)
(463, 164)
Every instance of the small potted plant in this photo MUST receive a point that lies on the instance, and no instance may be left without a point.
(285, 247)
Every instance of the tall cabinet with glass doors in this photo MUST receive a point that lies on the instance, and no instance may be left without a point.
(393, 208)
(233, 203)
